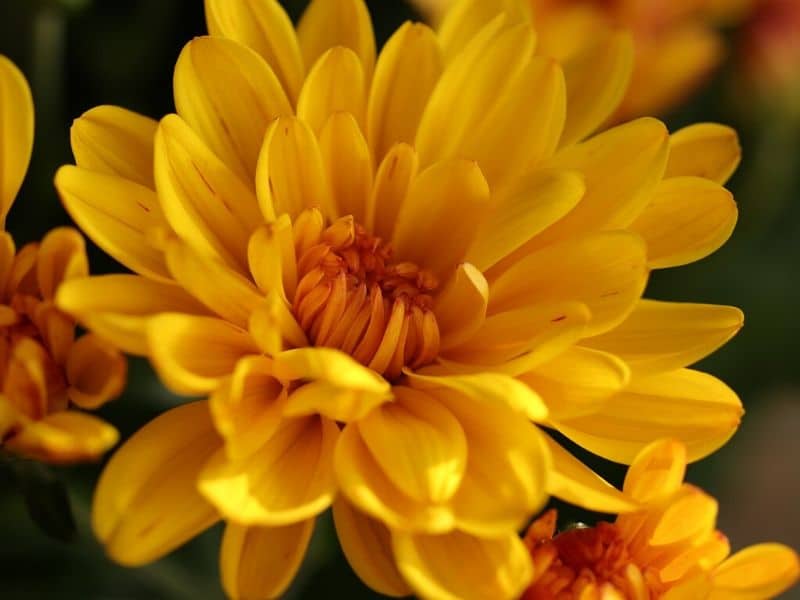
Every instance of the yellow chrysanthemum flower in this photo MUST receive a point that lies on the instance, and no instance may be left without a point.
(668, 549)
(43, 367)
(677, 43)
(382, 271)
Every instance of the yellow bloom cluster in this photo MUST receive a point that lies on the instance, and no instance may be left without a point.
(388, 275)
(44, 368)
(668, 548)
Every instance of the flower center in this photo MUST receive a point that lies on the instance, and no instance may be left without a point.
(584, 561)
(352, 296)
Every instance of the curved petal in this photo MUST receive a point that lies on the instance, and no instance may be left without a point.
(533, 204)
(366, 485)
(192, 354)
(271, 258)
(689, 406)
(347, 23)
(116, 307)
(115, 141)
(336, 83)
(687, 219)
(657, 472)
(221, 289)
(621, 167)
(392, 181)
(439, 217)
(265, 27)
(146, 503)
(96, 372)
(577, 381)
(348, 165)
(289, 479)
(419, 445)
(662, 336)
(571, 480)
(62, 256)
(464, 19)
(64, 437)
(16, 133)
(461, 305)
(204, 201)
(458, 566)
(248, 408)
(605, 271)
(290, 176)
(117, 214)
(330, 366)
(261, 562)
(597, 79)
(508, 466)
(705, 150)
(408, 68)
(228, 95)
(760, 571)
(367, 544)
(340, 404)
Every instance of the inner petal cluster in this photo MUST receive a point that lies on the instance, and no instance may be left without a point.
(352, 296)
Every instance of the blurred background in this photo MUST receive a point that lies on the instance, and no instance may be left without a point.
(81, 53)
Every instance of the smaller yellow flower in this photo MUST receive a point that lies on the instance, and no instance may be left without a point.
(669, 549)
(43, 367)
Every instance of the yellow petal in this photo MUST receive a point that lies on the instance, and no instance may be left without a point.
(64, 437)
(661, 336)
(518, 341)
(369, 488)
(604, 271)
(336, 83)
(16, 133)
(657, 472)
(248, 408)
(116, 307)
(536, 202)
(192, 354)
(597, 79)
(207, 279)
(468, 116)
(392, 181)
(347, 23)
(261, 562)
(577, 381)
(7, 251)
(760, 571)
(330, 366)
(290, 176)
(288, 479)
(419, 445)
(441, 214)
(264, 27)
(461, 305)
(348, 165)
(117, 214)
(621, 168)
(458, 566)
(571, 480)
(340, 404)
(367, 544)
(507, 467)
(687, 219)
(206, 204)
(115, 141)
(273, 326)
(271, 258)
(62, 256)
(705, 150)
(689, 406)
(96, 372)
(464, 19)
(494, 389)
(228, 95)
(146, 503)
(408, 68)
